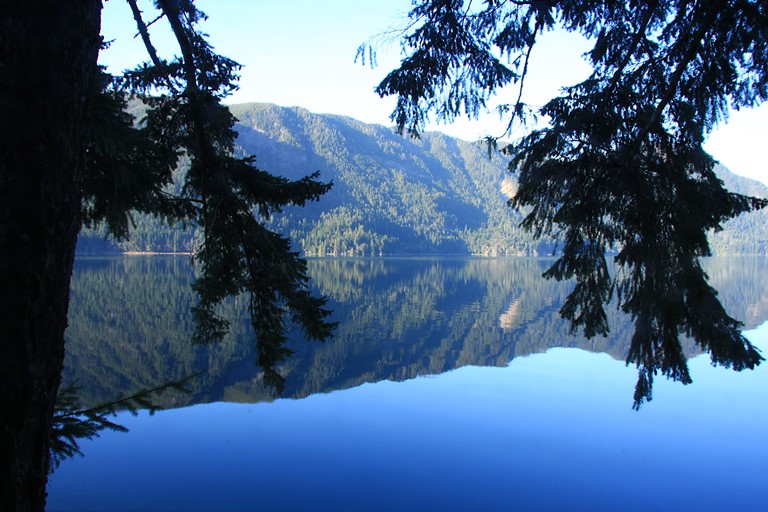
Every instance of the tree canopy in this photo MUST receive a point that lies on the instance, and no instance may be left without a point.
(619, 169)
(183, 123)
(70, 154)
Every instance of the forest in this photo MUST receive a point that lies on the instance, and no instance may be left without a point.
(392, 195)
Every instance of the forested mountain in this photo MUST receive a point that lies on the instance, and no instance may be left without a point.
(394, 195)
(746, 234)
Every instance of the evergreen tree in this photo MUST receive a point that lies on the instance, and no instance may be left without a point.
(70, 154)
(620, 165)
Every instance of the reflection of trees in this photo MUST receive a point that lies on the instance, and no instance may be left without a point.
(398, 319)
(741, 283)
(130, 328)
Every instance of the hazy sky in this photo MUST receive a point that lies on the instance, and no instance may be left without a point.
(301, 53)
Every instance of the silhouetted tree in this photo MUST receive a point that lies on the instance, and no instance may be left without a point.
(620, 165)
(68, 154)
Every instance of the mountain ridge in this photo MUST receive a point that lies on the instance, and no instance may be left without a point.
(394, 195)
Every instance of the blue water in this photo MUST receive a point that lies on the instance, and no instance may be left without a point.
(552, 431)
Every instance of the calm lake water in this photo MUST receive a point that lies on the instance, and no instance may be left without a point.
(451, 385)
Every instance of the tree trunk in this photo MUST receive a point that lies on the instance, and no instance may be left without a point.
(48, 55)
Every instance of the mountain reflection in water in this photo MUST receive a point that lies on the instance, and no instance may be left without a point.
(553, 431)
(130, 324)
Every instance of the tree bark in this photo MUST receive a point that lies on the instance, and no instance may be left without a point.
(48, 56)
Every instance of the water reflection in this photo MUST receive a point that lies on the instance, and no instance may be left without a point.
(549, 432)
(73, 423)
(130, 324)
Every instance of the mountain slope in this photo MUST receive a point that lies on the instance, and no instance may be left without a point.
(391, 195)
(746, 234)
(394, 195)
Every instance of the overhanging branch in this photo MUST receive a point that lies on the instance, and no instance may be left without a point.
(142, 27)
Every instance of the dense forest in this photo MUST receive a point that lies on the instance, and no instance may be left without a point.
(130, 324)
(393, 195)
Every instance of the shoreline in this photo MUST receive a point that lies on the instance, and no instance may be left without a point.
(131, 253)
(154, 253)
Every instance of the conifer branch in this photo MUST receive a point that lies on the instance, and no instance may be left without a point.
(139, 395)
(144, 33)
(690, 54)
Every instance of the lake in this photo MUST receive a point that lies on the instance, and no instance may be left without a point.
(451, 384)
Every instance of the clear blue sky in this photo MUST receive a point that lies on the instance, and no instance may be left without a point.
(301, 53)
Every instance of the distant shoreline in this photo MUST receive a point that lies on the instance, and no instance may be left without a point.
(131, 253)
(154, 253)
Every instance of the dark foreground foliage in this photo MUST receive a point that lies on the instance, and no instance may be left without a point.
(620, 168)
(184, 126)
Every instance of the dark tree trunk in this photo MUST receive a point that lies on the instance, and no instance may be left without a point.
(48, 52)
